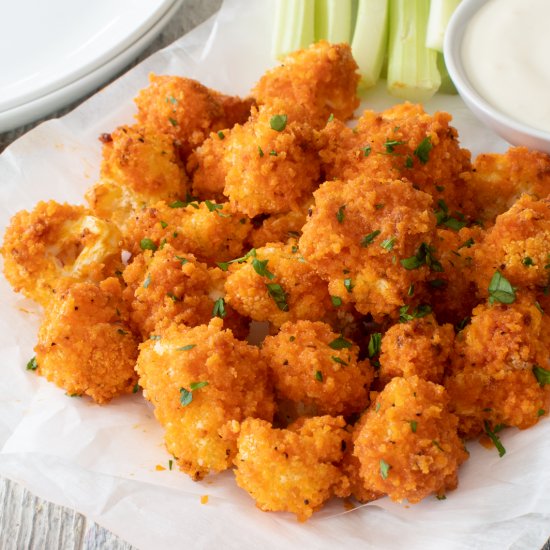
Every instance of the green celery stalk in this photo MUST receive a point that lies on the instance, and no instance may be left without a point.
(440, 13)
(447, 85)
(333, 20)
(412, 68)
(369, 41)
(294, 26)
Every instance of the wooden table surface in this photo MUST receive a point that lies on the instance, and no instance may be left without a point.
(26, 521)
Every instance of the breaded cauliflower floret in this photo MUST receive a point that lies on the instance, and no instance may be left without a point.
(293, 470)
(139, 168)
(518, 246)
(408, 445)
(187, 111)
(497, 358)
(167, 287)
(419, 347)
(275, 284)
(210, 231)
(58, 241)
(313, 365)
(202, 381)
(371, 239)
(84, 343)
(323, 78)
(271, 163)
(498, 180)
(401, 142)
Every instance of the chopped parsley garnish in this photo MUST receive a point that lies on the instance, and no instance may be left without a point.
(278, 122)
(173, 297)
(444, 218)
(422, 152)
(423, 256)
(221, 135)
(460, 326)
(213, 207)
(260, 152)
(318, 376)
(375, 344)
(182, 259)
(224, 266)
(135, 389)
(172, 100)
(219, 308)
(278, 294)
(528, 261)
(348, 284)
(466, 244)
(336, 301)
(340, 215)
(338, 360)
(495, 439)
(154, 337)
(387, 244)
(410, 291)
(186, 348)
(408, 162)
(440, 497)
(366, 150)
(273, 153)
(417, 313)
(260, 267)
(186, 396)
(500, 290)
(379, 206)
(163, 224)
(122, 331)
(32, 364)
(330, 118)
(147, 244)
(541, 412)
(147, 281)
(384, 469)
(542, 375)
(539, 307)
(340, 343)
(414, 425)
(368, 239)
(391, 144)
(173, 121)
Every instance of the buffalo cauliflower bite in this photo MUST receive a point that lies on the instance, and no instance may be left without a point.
(403, 142)
(419, 347)
(201, 381)
(187, 111)
(292, 470)
(84, 343)
(210, 231)
(139, 168)
(272, 165)
(371, 240)
(322, 78)
(496, 361)
(408, 445)
(165, 287)
(313, 365)
(518, 246)
(58, 242)
(275, 284)
(498, 180)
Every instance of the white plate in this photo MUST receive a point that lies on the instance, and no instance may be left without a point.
(92, 46)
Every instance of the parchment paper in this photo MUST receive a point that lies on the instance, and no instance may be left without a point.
(103, 461)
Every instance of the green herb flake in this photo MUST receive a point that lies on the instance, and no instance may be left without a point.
(32, 364)
(391, 144)
(340, 343)
(186, 396)
(423, 256)
(414, 425)
(172, 100)
(418, 312)
(410, 291)
(336, 301)
(278, 294)
(368, 239)
(147, 281)
(528, 261)
(348, 284)
(338, 360)
(163, 224)
(221, 135)
(367, 150)
(495, 439)
(122, 331)
(330, 118)
(197, 385)
(173, 121)
(440, 497)
(541, 412)
(377, 407)
(260, 152)
(170, 464)
(388, 244)
(466, 244)
(500, 290)
(278, 122)
(462, 325)
(379, 206)
(340, 215)
(219, 308)
(147, 244)
(260, 267)
(292, 338)
(375, 344)
(273, 153)
(224, 266)
(384, 469)
(422, 152)
(539, 307)
(154, 337)
(318, 376)
(408, 162)
(186, 348)
(542, 375)
(135, 389)
(173, 297)
(182, 260)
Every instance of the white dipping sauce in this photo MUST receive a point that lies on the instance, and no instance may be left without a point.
(506, 55)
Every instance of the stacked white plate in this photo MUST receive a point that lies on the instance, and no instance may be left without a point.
(52, 53)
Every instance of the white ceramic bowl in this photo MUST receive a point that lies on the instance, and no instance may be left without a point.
(513, 131)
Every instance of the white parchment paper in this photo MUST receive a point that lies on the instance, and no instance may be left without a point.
(102, 460)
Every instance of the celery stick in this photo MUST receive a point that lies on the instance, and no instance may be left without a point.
(447, 85)
(370, 39)
(294, 26)
(440, 13)
(412, 68)
(333, 20)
